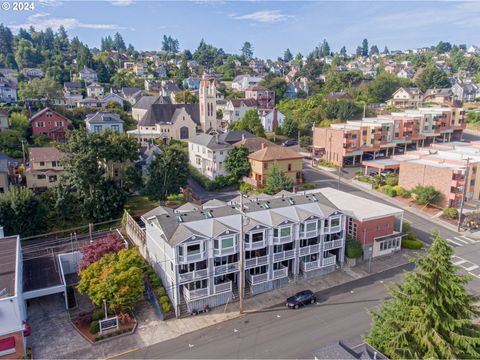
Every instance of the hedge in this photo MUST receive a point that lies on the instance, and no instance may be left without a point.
(353, 249)
(388, 189)
(211, 185)
(411, 244)
(94, 327)
(451, 213)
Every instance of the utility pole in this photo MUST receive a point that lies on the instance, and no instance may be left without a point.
(464, 195)
(338, 184)
(242, 255)
(23, 151)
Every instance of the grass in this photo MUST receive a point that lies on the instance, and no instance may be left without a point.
(140, 203)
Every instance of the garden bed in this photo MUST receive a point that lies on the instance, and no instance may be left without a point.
(82, 323)
(157, 295)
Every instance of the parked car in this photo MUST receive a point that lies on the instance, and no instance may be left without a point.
(302, 298)
(289, 142)
(367, 157)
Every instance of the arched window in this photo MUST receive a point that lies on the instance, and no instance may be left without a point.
(184, 132)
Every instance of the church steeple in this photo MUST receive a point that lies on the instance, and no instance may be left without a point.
(208, 103)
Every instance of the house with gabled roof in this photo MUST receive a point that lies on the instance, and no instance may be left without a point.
(88, 75)
(102, 120)
(51, 123)
(208, 153)
(235, 109)
(406, 98)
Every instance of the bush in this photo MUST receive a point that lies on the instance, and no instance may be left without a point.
(164, 299)
(401, 191)
(411, 235)
(359, 172)
(391, 180)
(451, 213)
(365, 179)
(411, 244)
(327, 164)
(353, 249)
(246, 188)
(306, 186)
(94, 327)
(388, 189)
(166, 307)
(406, 227)
(426, 195)
(98, 314)
(161, 291)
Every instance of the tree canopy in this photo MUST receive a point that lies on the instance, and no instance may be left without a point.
(276, 180)
(250, 122)
(237, 163)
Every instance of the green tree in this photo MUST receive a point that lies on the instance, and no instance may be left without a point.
(26, 55)
(383, 86)
(276, 180)
(118, 43)
(116, 278)
(186, 97)
(275, 83)
(247, 50)
(21, 211)
(167, 174)
(385, 50)
(289, 127)
(374, 50)
(287, 55)
(237, 163)
(6, 40)
(429, 316)
(343, 52)
(11, 143)
(19, 122)
(426, 195)
(250, 122)
(40, 89)
(432, 77)
(365, 47)
(183, 72)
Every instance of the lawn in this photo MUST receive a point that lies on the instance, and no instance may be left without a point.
(138, 204)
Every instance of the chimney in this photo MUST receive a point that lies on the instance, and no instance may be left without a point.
(263, 146)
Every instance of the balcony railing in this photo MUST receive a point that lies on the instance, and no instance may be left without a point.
(226, 251)
(283, 255)
(255, 245)
(333, 229)
(224, 269)
(277, 240)
(199, 256)
(310, 265)
(195, 294)
(309, 234)
(257, 261)
(311, 249)
(257, 279)
(329, 260)
(193, 275)
(280, 273)
(224, 287)
(332, 244)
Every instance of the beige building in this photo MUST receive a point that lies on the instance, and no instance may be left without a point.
(44, 168)
(406, 98)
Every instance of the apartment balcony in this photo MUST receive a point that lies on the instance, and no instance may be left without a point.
(255, 245)
(223, 287)
(283, 255)
(333, 229)
(308, 234)
(279, 240)
(310, 265)
(191, 295)
(192, 275)
(280, 273)
(225, 269)
(327, 245)
(226, 251)
(256, 261)
(311, 249)
(257, 279)
(198, 256)
(329, 260)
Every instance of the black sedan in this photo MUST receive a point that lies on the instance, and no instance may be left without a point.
(301, 299)
(289, 142)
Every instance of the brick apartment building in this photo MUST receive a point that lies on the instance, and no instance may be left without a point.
(350, 143)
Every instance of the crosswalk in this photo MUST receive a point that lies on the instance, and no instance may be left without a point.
(461, 241)
(467, 266)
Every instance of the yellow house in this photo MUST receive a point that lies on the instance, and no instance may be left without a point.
(288, 161)
(45, 167)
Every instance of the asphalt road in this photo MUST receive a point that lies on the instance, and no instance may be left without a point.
(279, 333)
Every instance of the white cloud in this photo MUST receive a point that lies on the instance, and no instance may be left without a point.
(50, 3)
(41, 21)
(121, 2)
(267, 16)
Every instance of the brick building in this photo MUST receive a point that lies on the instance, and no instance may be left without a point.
(265, 98)
(50, 123)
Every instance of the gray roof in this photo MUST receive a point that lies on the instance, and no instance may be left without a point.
(72, 85)
(103, 117)
(8, 264)
(163, 113)
(210, 141)
(145, 102)
(130, 91)
(236, 135)
(340, 350)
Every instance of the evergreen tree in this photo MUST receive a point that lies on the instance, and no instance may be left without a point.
(61, 40)
(287, 55)
(247, 50)
(432, 77)
(365, 47)
(386, 51)
(299, 56)
(183, 72)
(276, 180)
(324, 49)
(374, 50)
(343, 51)
(430, 315)
(237, 163)
(118, 43)
(6, 40)
(359, 50)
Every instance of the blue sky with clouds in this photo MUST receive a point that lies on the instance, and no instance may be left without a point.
(271, 26)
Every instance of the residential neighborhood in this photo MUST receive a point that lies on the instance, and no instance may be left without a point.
(285, 180)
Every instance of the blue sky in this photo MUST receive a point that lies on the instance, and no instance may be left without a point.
(271, 26)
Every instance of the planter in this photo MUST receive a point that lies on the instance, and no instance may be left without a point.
(351, 262)
(83, 329)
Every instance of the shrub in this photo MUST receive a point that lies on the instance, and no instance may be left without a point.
(426, 195)
(388, 189)
(451, 213)
(365, 179)
(353, 249)
(164, 299)
(161, 291)
(406, 227)
(246, 188)
(411, 244)
(306, 186)
(359, 172)
(98, 314)
(402, 192)
(166, 307)
(411, 235)
(391, 180)
(94, 327)
(327, 164)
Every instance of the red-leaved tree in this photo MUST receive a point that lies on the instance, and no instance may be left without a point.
(94, 252)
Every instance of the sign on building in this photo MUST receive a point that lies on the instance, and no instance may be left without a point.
(107, 324)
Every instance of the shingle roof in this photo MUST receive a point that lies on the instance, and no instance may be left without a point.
(275, 152)
(210, 141)
(163, 113)
(145, 102)
(44, 154)
(254, 144)
(130, 91)
(247, 102)
(235, 136)
(72, 85)
(102, 117)
(41, 112)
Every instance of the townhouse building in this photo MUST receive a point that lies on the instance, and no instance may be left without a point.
(44, 167)
(348, 144)
(208, 153)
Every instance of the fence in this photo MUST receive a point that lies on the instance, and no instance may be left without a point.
(135, 233)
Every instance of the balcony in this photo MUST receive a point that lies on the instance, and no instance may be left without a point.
(191, 295)
(278, 240)
(311, 249)
(256, 261)
(257, 279)
(333, 229)
(310, 265)
(193, 275)
(308, 234)
(283, 255)
(329, 260)
(223, 287)
(225, 269)
(255, 245)
(226, 251)
(327, 245)
(280, 273)
(192, 257)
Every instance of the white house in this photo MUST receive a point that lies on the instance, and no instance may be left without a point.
(88, 75)
(242, 82)
(102, 121)
(207, 153)
(94, 90)
(235, 109)
(271, 119)
(8, 90)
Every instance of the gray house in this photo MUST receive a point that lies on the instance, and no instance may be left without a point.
(102, 121)
(464, 91)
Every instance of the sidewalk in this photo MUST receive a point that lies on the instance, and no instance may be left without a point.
(151, 330)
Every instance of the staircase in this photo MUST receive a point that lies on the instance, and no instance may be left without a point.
(236, 295)
(183, 307)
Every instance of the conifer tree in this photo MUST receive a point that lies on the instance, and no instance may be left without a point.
(430, 314)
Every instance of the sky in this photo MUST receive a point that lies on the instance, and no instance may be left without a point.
(271, 26)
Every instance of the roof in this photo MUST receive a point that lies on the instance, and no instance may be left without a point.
(247, 102)
(8, 265)
(145, 102)
(103, 117)
(163, 113)
(72, 85)
(88, 70)
(130, 91)
(235, 135)
(213, 204)
(210, 141)
(340, 350)
(338, 95)
(254, 144)
(275, 152)
(41, 112)
(256, 88)
(36, 154)
(188, 206)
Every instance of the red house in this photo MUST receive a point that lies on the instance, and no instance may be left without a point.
(51, 123)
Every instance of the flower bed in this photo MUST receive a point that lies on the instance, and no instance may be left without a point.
(162, 300)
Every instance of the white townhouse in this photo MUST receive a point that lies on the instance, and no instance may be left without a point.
(196, 251)
(207, 153)
(103, 121)
(271, 119)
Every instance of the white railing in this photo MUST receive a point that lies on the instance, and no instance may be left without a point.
(311, 249)
(329, 260)
(309, 234)
(332, 244)
(255, 245)
(311, 265)
(280, 273)
(282, 239)
(193, 275)
(283, 255)
(223, 269)
(224, 287)
(192, 257)
(195, 294)
(226, 251)
(333, 229)
(257, 261)
(257, 279)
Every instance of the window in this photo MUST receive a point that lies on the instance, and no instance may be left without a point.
(285, 231)
(54, 164)
(41, 177)
(40, 124)
(227, 243)
(335, 222)
(311, 226)
(378, 227)
(193, 249)
(265, 166)
(257, 237)
(42, 163)
(289, 167)
(116, 128)
(52, 178)
(58, 123)
(387, 226)
(180, 250)
(97, 128)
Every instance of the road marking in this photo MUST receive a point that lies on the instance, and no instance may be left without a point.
(123, 353)
(477, 276)
(461, 240)
(468, 239)
(454, 242)
(460, 262)
(472, 267)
